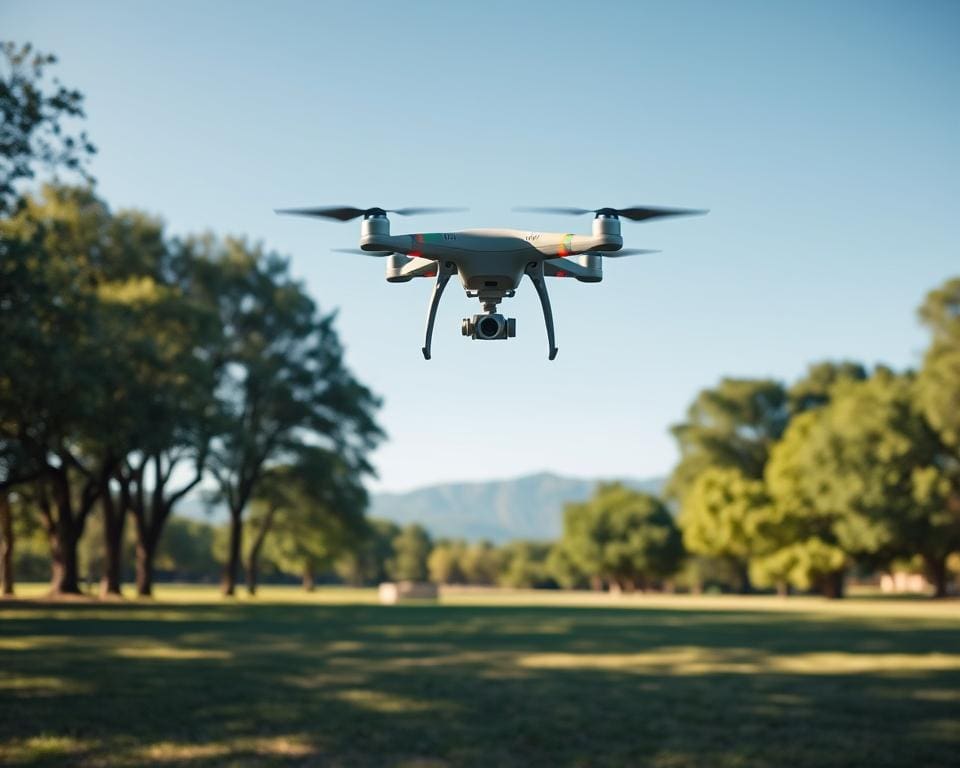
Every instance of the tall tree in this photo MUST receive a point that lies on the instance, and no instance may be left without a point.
(57, 380)
(284, 382)
(175, 329)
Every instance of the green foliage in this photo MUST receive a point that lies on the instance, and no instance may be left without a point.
(411, 549)
(722, 515)
(283, 379)
(445, 564)
(562, 567)
(309, 512)
(366, 564)
(481, 563)
(939, 380)
(863, 476)
(186, 550)
(524, 565)
(626, 537)
(34, 114)
(815, 388)
(734, 426)
(722, 512)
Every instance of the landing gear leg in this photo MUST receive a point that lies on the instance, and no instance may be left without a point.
(444, 271)
(534, 271)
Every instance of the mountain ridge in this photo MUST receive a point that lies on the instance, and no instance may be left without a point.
(525, 507)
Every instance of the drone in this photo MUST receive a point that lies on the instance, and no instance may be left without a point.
(491, 263)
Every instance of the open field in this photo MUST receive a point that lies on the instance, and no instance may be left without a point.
(483, 679)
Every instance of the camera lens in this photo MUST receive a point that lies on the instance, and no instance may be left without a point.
(489, 327)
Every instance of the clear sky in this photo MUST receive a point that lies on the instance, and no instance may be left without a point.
(823, 136)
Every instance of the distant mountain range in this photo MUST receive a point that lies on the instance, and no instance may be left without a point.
(527, 507)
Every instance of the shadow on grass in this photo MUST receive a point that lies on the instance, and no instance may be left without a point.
(135, 684)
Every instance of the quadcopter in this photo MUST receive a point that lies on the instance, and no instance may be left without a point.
(492, 262)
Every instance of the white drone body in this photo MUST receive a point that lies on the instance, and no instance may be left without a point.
(491, 263)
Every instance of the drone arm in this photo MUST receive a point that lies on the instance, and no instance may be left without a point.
(535, 272)
(444, 271)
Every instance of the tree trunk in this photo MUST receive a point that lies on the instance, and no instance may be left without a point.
(743, 575)
(231, 571)
(936, 572)
(783, 589)
(833, 585)
(113, 521)
(251, 571)
(145, 553)
(64, 532)
(64, 578)
(253, 559)
(6, 545)
(308, 579)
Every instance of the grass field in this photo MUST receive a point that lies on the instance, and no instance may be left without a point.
(481, 679)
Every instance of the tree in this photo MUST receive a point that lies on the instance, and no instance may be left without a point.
(523, 565)
(186, 550)
(861, 479)
(938, 398)
(33, 115)
(721, 515)
(306, 514)
(411, 549)
(480, 563)
(445, 564)
(58, 369)
(626, 537)
(367, 562)
(939, 380)
(283, 381)
(733, 425)
(180, 333)
(562, 568)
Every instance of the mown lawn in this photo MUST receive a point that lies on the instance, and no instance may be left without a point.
(479, 680)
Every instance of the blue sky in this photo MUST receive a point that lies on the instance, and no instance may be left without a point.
(823, 136)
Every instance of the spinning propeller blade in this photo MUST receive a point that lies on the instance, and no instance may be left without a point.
(635, 213)
(346, 212)
(360, 252)
(625, 252)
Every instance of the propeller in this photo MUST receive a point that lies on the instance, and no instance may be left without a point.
(346, 212)
(624, 252)
(635, 213)
(360, 252)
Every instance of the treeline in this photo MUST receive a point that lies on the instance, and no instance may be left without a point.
(135, 367)
(621, 538)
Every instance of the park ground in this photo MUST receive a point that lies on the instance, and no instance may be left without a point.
(479, 679)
